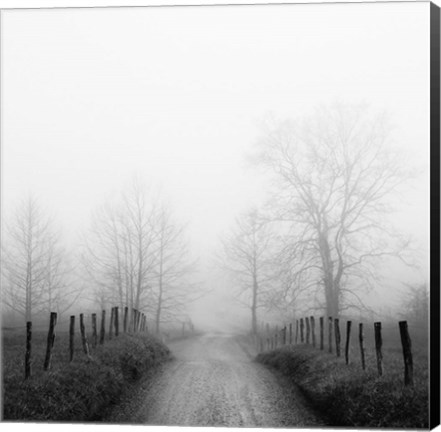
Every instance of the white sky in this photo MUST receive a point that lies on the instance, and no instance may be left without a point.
(91, 97)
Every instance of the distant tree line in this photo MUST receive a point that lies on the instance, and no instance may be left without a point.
(133, 254)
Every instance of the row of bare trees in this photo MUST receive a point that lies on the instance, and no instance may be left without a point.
(35, 267)
(137, 255)
(324, 232)
(134, 253)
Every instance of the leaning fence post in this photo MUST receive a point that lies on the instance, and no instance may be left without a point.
(71, 337)
(83, 335)
(321, 334)
(407, 353)
(28, 349)
(112, 317)
(308, 329)
(360, 338)
(136, 320)
(103, 326)
(297, 331)
(116, 321)
(50, 340)
(126, 312)
(330, 334)
(312, 320)
(348, 337)
(94, 334)
(337, 336)
(378, 345)
(290, 333)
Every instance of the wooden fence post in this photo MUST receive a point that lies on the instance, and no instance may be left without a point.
(330, 334)
(378, 345)
(348, 338)
(116, 321)
(126, 312)
(276, 336)
(297, 332)
(94, 333)
(103, 326)
(83, 336)
(290, 333)
(321, 334)
(28, 349)
(337, 336)
(308, 329)
(50, 340)
(71, 337)
(302, 339)
(312, 320)
(284, 335)
(407, 353)
(361, 338)
(112, 321)
(133, 320)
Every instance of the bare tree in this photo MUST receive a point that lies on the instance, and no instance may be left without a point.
(247, 256)
(120, 249)
(335, 174)
(34, 266)
(172, 290)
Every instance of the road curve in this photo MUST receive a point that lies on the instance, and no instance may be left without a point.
(213, 382)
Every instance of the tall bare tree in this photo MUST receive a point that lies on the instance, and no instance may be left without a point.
(34, 265)
(247, 255)
(335, 175)
(120, 249)
(173, 290)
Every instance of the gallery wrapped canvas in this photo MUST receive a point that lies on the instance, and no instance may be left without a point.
(221, 215)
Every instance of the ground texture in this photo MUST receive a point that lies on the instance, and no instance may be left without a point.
(213, 381)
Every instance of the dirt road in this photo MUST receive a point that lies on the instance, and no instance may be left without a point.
(213, 382)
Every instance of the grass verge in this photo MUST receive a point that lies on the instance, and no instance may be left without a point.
(349, 397)
(83, 389)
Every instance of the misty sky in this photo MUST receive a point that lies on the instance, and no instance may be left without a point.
(178, 95)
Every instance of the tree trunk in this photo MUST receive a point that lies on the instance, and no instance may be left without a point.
(254, 305)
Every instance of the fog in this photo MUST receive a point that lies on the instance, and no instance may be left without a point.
(179, 98)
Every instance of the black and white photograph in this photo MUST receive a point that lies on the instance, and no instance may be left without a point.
(220, 215)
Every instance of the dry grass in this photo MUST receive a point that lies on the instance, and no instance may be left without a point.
(78, 391)
(347, 396)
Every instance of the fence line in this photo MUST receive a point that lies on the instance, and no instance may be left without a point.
(139, 325)
(272, 339)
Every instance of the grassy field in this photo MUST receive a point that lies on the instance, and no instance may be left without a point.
(348, 396)
(78, 391)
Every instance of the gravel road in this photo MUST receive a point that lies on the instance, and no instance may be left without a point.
(213, 381)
